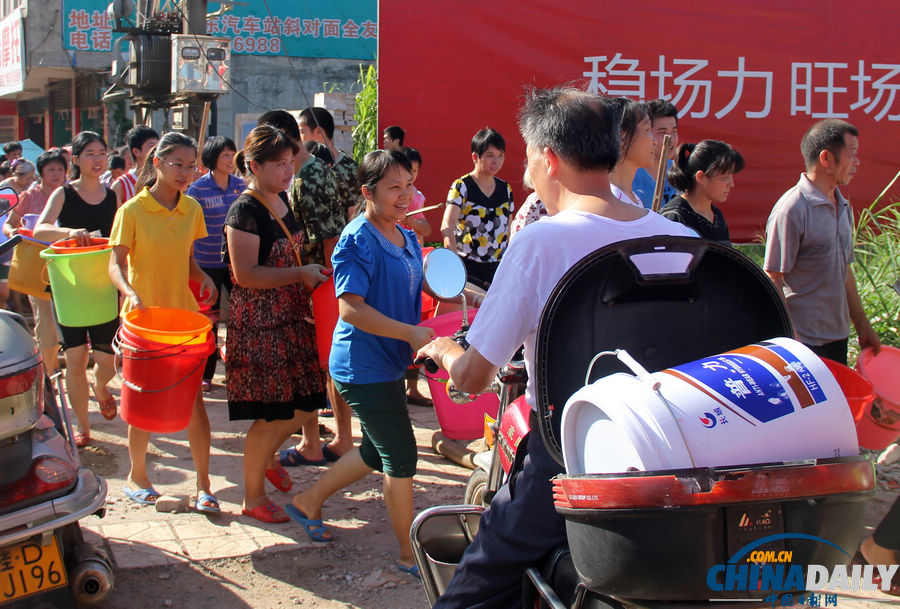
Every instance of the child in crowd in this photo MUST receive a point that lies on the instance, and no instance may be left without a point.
(704, 173)
(479, 208)
(141, 139)
(416, 222)
(153, 235)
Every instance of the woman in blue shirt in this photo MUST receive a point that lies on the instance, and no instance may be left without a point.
(215, 192)
(378, 281)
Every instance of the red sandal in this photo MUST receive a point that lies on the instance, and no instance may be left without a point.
(280, 479)
(267, 513)
(108, 406)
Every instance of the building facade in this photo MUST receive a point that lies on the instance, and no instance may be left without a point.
(56, 58)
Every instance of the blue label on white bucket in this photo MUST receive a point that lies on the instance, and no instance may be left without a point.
(744, 383)
(800, 369)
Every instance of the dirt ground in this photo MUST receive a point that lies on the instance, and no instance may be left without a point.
(357, 570)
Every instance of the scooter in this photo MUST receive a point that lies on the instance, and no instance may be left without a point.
(44, 488)
(643, 538)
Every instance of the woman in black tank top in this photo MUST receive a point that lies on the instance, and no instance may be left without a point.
(82, 207)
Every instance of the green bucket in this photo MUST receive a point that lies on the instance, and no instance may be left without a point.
(83, 293)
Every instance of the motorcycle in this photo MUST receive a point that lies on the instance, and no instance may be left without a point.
(44, 488)
(639, 537)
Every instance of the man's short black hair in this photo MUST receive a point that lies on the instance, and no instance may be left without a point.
(827, 135)
(486, 138)
(413, 155)
(581, 128)
(51, 156)
(319, 117)
(659, 108)
(11, 147)
(139, 134)
(395, 133)
(213, 147)
(115, 161)
(281, 119)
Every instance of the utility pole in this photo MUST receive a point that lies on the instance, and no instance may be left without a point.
(195, 23)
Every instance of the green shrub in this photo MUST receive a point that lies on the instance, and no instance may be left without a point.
(365, 134)
(877, 267)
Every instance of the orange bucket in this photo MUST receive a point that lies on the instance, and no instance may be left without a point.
(70, 246)
(169, 326)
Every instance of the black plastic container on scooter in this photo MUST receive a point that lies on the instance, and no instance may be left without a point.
(721, 301)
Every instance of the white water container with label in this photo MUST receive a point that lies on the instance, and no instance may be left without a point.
(764, 403)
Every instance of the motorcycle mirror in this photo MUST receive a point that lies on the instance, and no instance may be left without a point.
(445, 274)
(8, 200)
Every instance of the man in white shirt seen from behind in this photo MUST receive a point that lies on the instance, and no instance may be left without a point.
(572, 143)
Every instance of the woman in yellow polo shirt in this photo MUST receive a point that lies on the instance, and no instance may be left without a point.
(154, 232)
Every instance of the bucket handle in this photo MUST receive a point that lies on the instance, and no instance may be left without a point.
(645, 377)
(119, 347)
(140, 389)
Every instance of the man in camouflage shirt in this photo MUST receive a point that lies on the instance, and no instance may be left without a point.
(316, 201)
(317, 124)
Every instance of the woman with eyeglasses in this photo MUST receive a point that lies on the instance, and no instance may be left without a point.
(74, 211)
(154, 234)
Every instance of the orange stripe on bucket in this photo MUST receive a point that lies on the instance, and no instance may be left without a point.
(804, 397)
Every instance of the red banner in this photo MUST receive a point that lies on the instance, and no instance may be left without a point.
(755, 75)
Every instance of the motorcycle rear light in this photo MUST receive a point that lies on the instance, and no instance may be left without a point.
(20, 382)
(47, 475)
(721, 487)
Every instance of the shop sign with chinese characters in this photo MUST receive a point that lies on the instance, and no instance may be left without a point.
(347, 30)
(12, 50)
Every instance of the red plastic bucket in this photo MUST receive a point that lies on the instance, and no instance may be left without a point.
(70, 246)
(160, 381)
(325, 312)
(457, 421)
(860, 394)
(882, 418)
(200, 297)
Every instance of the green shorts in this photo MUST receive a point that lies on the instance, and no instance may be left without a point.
(388, 443)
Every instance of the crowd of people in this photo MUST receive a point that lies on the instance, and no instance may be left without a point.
(266, 222)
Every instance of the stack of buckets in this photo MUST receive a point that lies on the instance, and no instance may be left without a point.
(83, 294)
(164, 351)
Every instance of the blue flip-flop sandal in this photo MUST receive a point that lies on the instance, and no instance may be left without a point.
(313, 527)
(144, 496)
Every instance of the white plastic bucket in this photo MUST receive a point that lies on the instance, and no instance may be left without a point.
(768, 402)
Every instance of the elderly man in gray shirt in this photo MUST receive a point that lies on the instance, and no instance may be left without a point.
(809, 245)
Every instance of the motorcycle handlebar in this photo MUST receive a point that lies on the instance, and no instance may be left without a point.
(10, 243)
(430, 365)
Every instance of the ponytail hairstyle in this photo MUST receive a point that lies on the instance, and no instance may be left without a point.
(79, 143)
(240, 167)
(166, 146)
(631, 113)
(712, 157)
(373, 168)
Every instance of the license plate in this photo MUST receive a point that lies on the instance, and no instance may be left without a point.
(29, 568)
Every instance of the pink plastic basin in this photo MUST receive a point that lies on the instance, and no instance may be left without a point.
(881, 420)
(457, 421)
